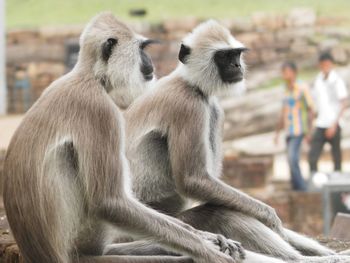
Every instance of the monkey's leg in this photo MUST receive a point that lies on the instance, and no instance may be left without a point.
(253, 234)
(132, 216)
(140, 247)
(145, 247)
(134, 259)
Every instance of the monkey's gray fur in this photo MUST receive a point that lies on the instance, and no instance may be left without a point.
(174, 148)
(66, 179)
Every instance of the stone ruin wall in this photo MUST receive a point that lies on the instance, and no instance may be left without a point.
(300, 36)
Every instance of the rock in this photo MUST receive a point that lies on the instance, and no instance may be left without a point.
(252, 58)
(42, 74)
(328, 44)
(334, 32)
(271, 22)
(257, 112)
(307, 212)
(340, 55)
(301, 17)
(250, 39)
(21, 36)
(268, 56)
(240, 25)
(266, 40)
(58, 34)
(184, 24)
(335, 244)
(12, 255)
(22, 53)
(247, 172)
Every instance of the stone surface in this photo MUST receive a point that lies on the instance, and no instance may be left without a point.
(2, 159)
(247, 172)
(341, 222)
(306, 212)
(301, 17)
(24, 53)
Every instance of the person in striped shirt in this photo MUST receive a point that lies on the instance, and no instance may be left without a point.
(296, 120)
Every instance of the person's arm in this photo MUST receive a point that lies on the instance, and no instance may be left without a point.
(344, 105)
(280, 124)
(310, 105)
(343, 98)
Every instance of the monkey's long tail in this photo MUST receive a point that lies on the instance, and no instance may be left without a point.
(252, 257)
(307, 246)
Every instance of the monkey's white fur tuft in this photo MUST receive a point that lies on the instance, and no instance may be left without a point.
(200, 69)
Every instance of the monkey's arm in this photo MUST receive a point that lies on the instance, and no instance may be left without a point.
(114, 203)
(191, 159)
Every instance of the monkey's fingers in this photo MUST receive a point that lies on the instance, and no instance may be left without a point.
(223, 244)
(237, 249)
(231, 248)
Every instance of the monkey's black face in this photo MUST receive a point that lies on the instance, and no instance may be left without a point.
(146, 66)
(228, 62)
(146, 62)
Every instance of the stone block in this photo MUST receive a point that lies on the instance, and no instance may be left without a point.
(306, 213)
(249, 39)
(340, 55)
(184, 24)
(21, 36)
(267, 21)
(246, 172)
(23, 53)
(301, 17)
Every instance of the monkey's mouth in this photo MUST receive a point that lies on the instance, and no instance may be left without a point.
(148, 77)
(233, 79)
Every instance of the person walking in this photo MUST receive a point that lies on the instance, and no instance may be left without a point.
(330, 96)
(295, 118)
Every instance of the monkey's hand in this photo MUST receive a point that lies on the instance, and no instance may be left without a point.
(269, 217)
(224, 245)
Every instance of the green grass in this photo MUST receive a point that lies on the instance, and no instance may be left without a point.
(29, 13)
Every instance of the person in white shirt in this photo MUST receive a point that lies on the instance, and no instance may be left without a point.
(330, 95)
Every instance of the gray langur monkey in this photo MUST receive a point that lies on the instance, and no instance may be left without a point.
(66, 178)
(174, 147)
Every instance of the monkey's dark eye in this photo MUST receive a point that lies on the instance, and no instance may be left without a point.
(222, 54)
(107, 48)
(112, 41)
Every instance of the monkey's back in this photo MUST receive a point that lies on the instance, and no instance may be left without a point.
(40, 188)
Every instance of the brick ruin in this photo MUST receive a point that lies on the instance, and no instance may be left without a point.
(299, 35)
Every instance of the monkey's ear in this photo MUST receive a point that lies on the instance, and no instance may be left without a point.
(107, 48)
(184, 52)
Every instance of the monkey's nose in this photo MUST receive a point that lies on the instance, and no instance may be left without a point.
(236, 65)
(146, 70)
